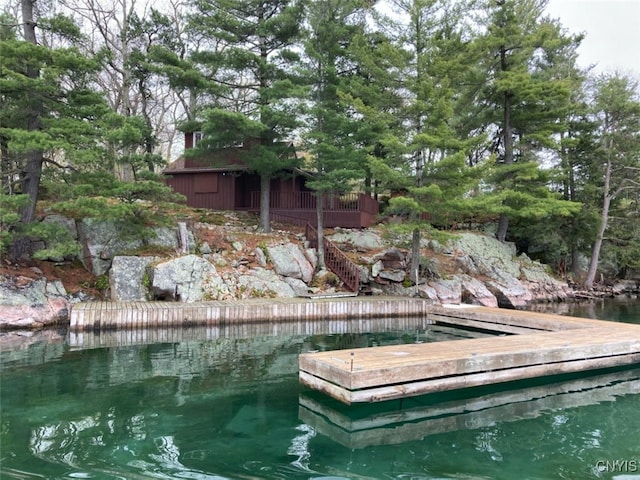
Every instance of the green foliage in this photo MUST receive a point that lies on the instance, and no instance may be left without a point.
(448, 113)
(146, 280)
(102, 283)
(400, 233)
(58, 240)
(62, 26)
(137, 206)
(10, 206)
(59, 243)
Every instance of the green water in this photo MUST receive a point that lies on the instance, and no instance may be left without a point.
(226, 404)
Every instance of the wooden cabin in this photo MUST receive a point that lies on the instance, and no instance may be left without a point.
(223, 181)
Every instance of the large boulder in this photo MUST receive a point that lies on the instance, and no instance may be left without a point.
(289, 260)
(262, 283)
(484, 255)
(475, 292)
(187, 279)
(514, 280)
(542, 286)
(178, 239)
(394, 259)
(298, 286)
(32, 303)
(511, 295)
(362, 240)
(101, 240)
(448, 291)
(425, 290)
(128, 278)
(397, 276)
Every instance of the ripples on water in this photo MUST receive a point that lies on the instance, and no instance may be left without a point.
(226, 404)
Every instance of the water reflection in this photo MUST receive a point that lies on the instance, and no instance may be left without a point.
(226, 404)
(619, 309)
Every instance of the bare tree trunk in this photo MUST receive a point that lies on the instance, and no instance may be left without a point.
(507, 133)
(265, 197)
(414, 274)
(604, 220)
(415, 237)
(320, 227)
(575, 261)
(32, 170)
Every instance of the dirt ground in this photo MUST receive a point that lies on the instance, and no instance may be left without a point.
(73, 275)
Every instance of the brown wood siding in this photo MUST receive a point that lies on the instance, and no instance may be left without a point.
(223, 199)
(188, 140)
(205, 183)
(330, 219)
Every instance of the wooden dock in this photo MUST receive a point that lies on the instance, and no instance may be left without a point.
(531, 345)
(395, 423)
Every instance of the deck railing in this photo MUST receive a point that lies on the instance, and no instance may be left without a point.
(349, 202)
(336, 261)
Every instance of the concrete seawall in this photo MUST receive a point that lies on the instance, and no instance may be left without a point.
(135, 315)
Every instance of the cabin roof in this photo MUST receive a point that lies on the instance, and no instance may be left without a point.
(179, 166)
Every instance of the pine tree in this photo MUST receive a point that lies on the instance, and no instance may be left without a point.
(48, 105)
(57, 137)
(426, 158)
(617, 109)
(337, 158)
(253, 62)
(526, 97)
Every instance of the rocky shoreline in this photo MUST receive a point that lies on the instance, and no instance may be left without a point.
(226, 262)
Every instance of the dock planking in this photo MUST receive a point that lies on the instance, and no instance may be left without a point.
(544, 345)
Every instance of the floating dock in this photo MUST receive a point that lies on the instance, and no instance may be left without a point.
(530, 345)
(394, 423)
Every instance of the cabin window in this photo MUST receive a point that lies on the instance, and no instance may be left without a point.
(191, 139)
(205, 183)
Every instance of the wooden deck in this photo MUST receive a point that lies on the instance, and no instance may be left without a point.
(538, 345)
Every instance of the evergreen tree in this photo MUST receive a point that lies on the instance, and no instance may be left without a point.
(57, 135)
(253, 61)
(337, 158)
(526, 98)
(48, 106)
(426, 161)
(617, 110)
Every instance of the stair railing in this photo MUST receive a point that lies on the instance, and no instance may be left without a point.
(336, 260)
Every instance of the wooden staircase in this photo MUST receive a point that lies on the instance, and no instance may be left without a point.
(336, 261)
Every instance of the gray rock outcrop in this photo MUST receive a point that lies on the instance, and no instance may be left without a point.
(128, 278)
(474, 292)
(32, 303)
(263, 283)
(101, 240)
(187, 279)
(289, 260)
(511, 277)
(361, 240)
(470, 268)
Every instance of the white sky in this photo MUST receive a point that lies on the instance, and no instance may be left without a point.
(612, 29)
